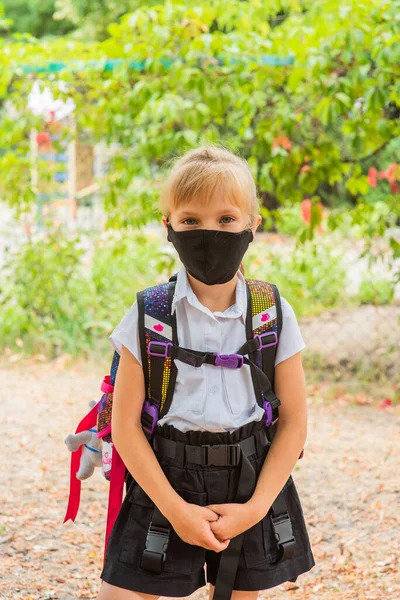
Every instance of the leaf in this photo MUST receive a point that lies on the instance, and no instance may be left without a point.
(344, 99)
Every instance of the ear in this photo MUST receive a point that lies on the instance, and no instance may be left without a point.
(165, 223)
(257, 220)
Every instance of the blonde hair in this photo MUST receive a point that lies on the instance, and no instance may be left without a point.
(201, 172)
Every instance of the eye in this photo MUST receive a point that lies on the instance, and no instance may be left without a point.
(189, 221)
(227, 219)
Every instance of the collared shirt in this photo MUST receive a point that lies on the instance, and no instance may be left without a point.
(207, 398)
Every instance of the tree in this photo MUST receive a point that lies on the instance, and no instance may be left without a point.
(192, 74)
(91, 18)
(35, 17)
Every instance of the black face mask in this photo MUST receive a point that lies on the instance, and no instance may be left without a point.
(209, 255)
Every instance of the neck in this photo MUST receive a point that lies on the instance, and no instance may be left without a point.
(216, 297)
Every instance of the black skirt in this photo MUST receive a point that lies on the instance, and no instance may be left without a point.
(183, 572)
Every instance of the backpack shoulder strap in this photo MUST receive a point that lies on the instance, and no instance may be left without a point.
(262, 326)
(264, 321)
(157, 331)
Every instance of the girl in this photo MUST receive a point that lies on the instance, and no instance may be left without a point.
(209, 202)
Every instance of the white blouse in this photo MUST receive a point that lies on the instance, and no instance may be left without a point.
(211, 398)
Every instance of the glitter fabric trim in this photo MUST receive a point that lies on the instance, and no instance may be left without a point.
(105, 404)
(156, 305)
(104, 416)
(114, 367)
(262, 299)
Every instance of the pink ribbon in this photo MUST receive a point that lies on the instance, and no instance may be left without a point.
(106, 386)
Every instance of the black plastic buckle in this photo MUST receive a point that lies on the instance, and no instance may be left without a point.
(283, 532)
(156, 547)
(222, 454)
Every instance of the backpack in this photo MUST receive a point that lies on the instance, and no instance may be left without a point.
(159, 349)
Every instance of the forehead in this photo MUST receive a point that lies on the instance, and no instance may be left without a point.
(211, 200)
(197, 208)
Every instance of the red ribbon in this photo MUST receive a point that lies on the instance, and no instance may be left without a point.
(74, 483)
(117, 478)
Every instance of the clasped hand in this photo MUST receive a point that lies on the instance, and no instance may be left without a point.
(213, 526)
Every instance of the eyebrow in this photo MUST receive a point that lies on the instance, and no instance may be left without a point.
(193, 213)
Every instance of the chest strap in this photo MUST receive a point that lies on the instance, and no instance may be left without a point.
(196, 358)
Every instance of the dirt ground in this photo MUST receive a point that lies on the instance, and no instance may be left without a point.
(348, 482)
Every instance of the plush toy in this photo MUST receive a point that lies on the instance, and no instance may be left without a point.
(91, 451)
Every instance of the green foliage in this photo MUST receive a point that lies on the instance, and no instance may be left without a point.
(131, 261)
(311, 276)
(376, 290)
(329, 111)
(61, 294)
(189, 75)
(287, 219)
(5, 24)
(375, 224)
(366, 220)
(47, 301)
(92, 18)
(65, 293)
(35, 17)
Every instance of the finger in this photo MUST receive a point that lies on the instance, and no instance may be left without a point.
(214, 544)
(219, 532)
(210, 515)
(222, 546)
(216, 527)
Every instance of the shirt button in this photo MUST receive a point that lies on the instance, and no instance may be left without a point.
(213, 389)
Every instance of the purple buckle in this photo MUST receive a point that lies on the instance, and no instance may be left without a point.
(230, 361)
(261, 335)
(152, 411)
(163, 352)
(268, 412)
